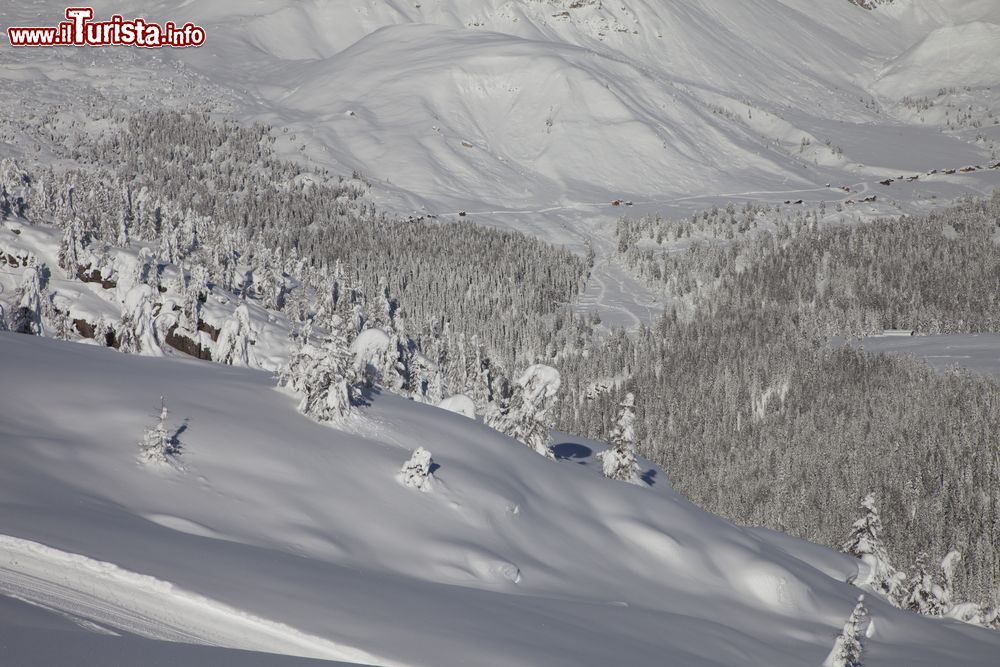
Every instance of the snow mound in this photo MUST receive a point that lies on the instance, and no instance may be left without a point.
(459, 404)
(540, 380)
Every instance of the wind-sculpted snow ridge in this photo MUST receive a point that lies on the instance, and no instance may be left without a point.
(509, 558)
(113, 599)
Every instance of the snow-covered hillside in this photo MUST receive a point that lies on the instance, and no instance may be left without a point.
(274, 533)
(521, 106)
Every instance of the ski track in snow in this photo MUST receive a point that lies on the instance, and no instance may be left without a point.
(101, 595)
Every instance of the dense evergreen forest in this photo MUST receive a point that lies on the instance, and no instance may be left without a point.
(746, 398)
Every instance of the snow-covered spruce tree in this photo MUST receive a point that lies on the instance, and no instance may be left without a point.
(323, 376)
(236, 340)
(524, 415)
(923, 595)
(3, 319)
(416, 472)
(156, 445)
(865, 542)
(104, 331)
(27, 315)
(436, 389)
(190, 315)
(270, 286)
(848, 647)
(948, 565)
(63, 325)
(143, 271)
(70, 249)
(393, 371)
(136, 333)
(619, 460)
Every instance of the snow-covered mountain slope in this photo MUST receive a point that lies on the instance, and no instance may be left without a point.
(275, 533)
(518, 106)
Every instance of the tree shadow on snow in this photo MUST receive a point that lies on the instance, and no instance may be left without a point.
(175, 439)
(364, 396)
(565, 451)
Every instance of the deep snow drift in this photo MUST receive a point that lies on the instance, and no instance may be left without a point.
(271, 532)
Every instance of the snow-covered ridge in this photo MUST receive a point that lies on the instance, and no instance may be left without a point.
(117, 600)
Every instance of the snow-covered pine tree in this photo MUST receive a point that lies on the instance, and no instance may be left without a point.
(236, 340)
(619, 460)
(3, 319)
(436, 390)
(416, 472)
(323, 375)
(190, 315)
(104, 331)
(418, 373)
(63, 325)
(948, 565)
(137, 332)
(383, 306)
(923, 595)
(27, 315)
(270, 286)
(848, 647)
(156, 445)
(524, 415)
(393, 365)
(122, 237)
(865, 542)
(70, 249)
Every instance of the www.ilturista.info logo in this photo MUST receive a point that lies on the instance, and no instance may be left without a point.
(79, 30)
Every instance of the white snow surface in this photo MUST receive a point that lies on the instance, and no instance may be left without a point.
(272, 532)
(112, 600)
(459, 404)
(976, 352)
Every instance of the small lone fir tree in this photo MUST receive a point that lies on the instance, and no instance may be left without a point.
(923, 595)
(322, 375)
(848, 647)
(26, 317)
(416, 472)
(619, 461)
(524, 414)
(865, 542)
(236, 340)
(156, 445)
